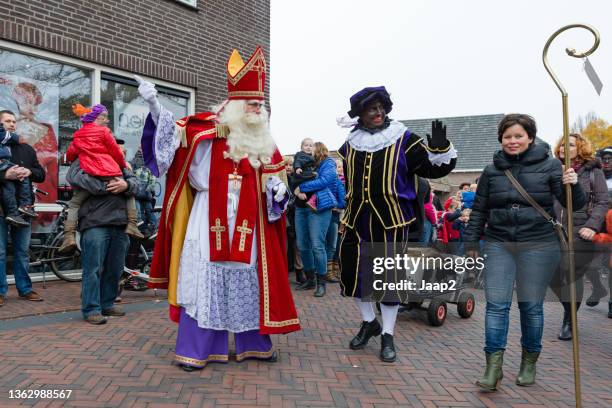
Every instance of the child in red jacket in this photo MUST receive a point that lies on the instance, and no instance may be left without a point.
(99, 156)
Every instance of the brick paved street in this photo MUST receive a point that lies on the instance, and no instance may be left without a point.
(127, 362)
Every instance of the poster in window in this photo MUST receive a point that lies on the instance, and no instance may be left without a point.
(36, 106)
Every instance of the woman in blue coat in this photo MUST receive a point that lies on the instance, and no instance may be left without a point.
(311, 226)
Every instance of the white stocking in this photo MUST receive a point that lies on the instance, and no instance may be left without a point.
(367, 310)
(389, 314)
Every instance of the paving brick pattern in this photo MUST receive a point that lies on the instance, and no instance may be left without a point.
(60, 296)
(127, 363)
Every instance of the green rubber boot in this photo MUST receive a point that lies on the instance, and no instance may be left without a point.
(527, 372)
(493, 373)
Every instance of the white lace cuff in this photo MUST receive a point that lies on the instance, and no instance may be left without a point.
(166, 141)
(438, 159)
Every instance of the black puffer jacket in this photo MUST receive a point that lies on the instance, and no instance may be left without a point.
(507, 215)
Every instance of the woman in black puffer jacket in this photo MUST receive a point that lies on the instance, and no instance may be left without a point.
(520, 245)
(588, 221)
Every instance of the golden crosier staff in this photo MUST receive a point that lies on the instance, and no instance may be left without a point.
(568, 191)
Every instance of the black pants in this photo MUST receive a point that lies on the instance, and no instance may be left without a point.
(584, 253)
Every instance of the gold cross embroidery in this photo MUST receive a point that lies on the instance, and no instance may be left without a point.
(243, 230)
(218, 229)
(260, 68)
(235, 178)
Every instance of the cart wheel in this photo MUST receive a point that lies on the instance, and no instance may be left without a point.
(465, 305)
(436, 313)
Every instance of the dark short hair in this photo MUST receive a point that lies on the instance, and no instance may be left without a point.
(527, 122)
(463, 184)
(6, 111)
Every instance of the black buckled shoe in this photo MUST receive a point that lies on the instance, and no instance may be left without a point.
(387, 348)
(367, 330)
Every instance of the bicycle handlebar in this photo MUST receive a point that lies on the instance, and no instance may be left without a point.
(39, 191)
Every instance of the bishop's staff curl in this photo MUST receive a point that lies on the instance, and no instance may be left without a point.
(568, 190)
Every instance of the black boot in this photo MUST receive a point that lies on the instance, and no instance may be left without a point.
(367, 330)
(309, 283)
(320, 286)
(610, 310)
(300, 277)
(565, 333)
(598, 292)
(566, 327)
(387, 349)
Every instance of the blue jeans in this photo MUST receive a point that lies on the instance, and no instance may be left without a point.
(20, 238)
(103, 251)
(427, 232)
(331, 238)
(311, 232)
(532, 268)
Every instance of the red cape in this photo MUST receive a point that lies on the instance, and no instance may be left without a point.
(277, 309)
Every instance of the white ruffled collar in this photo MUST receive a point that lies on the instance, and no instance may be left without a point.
(362, 140)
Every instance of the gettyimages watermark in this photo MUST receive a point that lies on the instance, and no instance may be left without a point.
(515, 271)
(402, 272)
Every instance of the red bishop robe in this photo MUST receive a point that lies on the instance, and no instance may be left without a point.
(277, 309)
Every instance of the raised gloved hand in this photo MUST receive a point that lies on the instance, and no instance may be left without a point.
(437, 140)
(149, 94)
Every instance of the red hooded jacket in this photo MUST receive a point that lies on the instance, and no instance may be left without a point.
(98, 152)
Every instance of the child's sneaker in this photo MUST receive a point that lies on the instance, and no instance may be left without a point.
(29, 211)
(312, 202)
(17, 221)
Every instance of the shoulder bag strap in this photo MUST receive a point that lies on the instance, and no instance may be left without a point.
(527, 197)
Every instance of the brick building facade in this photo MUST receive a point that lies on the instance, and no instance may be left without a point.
(161, 39)
(55, 53)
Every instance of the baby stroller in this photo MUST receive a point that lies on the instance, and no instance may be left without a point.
(436, 286)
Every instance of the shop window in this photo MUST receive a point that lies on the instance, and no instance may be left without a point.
(127, 114)
(41, 93)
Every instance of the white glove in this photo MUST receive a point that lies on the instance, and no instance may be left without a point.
(149, 94)
(281, 190)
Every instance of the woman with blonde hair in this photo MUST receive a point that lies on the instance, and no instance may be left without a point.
(588, 221)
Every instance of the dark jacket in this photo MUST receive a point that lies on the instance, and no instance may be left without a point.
(507, 215)
(7, 141)
(23, 155)
(597, 200)
(102, 209)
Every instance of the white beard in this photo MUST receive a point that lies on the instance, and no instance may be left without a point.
(249, 134)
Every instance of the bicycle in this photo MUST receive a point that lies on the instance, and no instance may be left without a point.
(44, 248)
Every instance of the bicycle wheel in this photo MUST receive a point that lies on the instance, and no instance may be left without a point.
(65, 266)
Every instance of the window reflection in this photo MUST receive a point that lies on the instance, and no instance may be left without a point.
(128, 112)
(41, 93)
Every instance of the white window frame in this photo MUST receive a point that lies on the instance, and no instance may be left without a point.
(96, 71)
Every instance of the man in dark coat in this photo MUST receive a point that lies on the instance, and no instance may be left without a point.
(24, 156)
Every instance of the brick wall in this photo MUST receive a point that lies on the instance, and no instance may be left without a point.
(158, 38)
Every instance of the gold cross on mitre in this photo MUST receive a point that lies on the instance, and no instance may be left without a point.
(218, 229)
(260, 67)
(243, 230)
